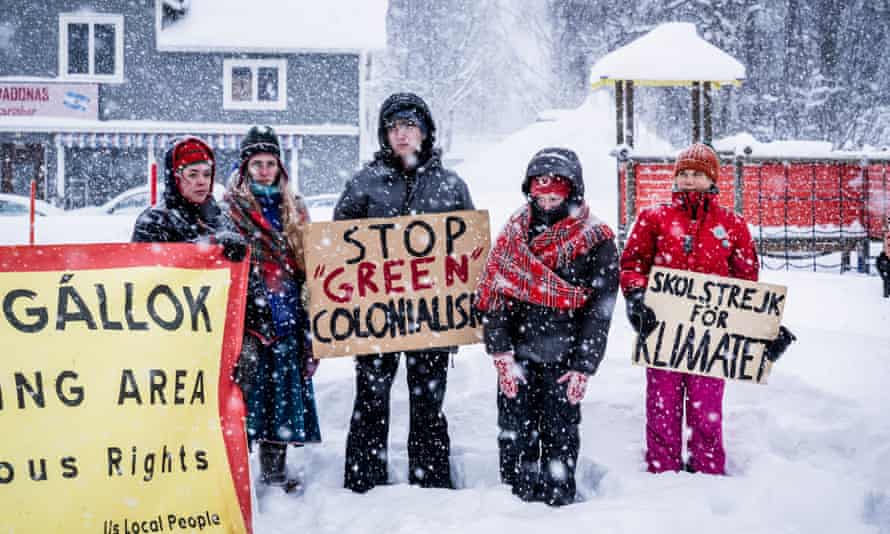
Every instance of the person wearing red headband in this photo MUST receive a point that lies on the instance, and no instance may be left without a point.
(188, 213)
(691, 233)
(547, 295)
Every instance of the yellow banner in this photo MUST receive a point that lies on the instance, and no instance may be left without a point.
(109, 402)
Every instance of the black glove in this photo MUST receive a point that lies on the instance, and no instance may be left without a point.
(310, 362)
(246, 370)
(883, 265)
(641, 317)
(234, 245)
(775, 348)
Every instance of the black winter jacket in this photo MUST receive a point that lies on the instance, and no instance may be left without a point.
(883, 265)
(175, 219)
(548, 335)
(162, 224)
(381, 189)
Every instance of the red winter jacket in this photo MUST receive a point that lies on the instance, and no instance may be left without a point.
(693, 233)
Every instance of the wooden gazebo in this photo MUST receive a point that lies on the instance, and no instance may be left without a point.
(671, 55)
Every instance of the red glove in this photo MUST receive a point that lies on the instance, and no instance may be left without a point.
(577, 386)
(509, 375)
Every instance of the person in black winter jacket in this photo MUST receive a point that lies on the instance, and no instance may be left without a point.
(547, 292)
(883, 262)
(405, 177)
(188, 212)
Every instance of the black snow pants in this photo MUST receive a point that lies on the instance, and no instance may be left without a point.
(429, 447)
(539, 437)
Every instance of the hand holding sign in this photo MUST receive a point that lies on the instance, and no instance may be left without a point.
(641, 317)
(777, 347)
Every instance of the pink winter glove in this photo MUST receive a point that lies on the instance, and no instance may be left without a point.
(577, 386)
(508, 377)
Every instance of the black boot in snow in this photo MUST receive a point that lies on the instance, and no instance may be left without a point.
(273, 458)
(528, 482)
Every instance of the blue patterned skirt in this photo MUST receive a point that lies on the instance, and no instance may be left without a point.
(280, 403)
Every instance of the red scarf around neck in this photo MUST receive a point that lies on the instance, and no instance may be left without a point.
(524, 271)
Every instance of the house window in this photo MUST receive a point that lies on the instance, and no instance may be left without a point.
(254, 84)
(91, 47)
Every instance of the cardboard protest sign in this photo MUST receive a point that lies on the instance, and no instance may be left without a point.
(710, 325)
(393, 284)
(117, 408)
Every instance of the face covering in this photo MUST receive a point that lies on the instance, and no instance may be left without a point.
(551, 216)
(264, 190)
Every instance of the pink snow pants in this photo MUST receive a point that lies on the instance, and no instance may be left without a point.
(664, 418)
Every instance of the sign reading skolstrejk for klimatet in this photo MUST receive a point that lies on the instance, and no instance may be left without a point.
(710, 325)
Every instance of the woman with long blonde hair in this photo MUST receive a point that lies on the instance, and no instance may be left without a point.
(276, 365)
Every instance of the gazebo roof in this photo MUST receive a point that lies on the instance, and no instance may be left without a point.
(671, 54)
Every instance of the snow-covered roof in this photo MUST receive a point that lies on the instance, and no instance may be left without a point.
(276, 26)
(56, 124)
(671, 54)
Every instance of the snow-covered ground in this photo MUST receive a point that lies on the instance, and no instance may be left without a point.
(808, 453)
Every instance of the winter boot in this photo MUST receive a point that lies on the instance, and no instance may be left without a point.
(273, 457)
(528, 482)
(296, 473)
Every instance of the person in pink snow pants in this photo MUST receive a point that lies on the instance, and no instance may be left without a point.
(691, 233)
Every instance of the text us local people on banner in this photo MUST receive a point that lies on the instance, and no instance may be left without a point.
(401, 283)
(117, 408)
(710, 325)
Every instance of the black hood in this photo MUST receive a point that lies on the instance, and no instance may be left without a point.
(173, 199)
(559, 162)
(402, 102)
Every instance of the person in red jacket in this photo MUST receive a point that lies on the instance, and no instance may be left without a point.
(691, 233)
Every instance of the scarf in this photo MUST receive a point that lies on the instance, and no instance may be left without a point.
(268, 245)
(524, 270)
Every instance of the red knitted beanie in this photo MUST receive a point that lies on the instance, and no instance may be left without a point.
(699, 157)
(191, 150)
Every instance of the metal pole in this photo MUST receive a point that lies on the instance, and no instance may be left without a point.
(60, 172)
(294, 165)
(153, 188)
(785, 165)
(706, 112)
(845, 254)
(619, 112)
(152, 171)
(629, 96)
(739, 185)
(31, 211)
(864, 244)
(696, 113)
(630, 189)
(622, 227)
